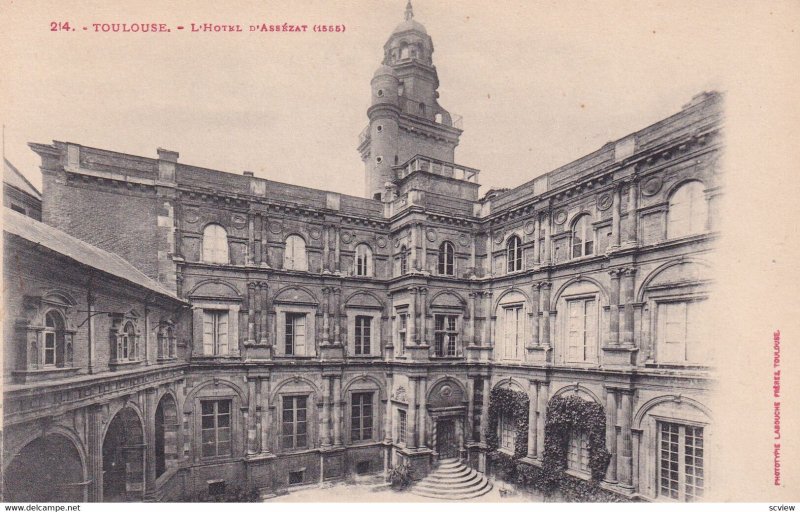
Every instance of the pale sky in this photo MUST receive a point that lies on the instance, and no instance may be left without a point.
(539, 84)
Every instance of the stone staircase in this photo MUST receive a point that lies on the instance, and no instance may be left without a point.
(452, 480)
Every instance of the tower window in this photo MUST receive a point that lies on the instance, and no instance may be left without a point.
(380, 92)
(380, 128)
(379, 159)
(422, 108)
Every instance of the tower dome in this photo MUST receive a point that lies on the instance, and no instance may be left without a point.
(409, 23)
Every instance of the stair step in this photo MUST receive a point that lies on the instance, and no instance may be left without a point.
(466, 495)
(438, 480)
(451, 471)
(452, 480)
(473, 481)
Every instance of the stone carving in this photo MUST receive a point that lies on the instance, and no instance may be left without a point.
(275, 227)
(652, 186)
(463, 239)
(560, 217)
(400, 395)
(604, 201)
(238, 221)
(315, 233)
(446, 391)
(381, 241)
(347, 237)
(529, 227)
(498, 238)
(431, 235)
(191, 216)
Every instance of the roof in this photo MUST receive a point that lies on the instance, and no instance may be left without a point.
(13, 177)
(51, 238)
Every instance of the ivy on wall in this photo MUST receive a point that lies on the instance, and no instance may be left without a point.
(566, 414)
(509, 403)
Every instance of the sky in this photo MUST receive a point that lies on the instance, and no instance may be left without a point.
(539, 84)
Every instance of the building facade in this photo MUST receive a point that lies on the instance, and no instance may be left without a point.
(328, 336)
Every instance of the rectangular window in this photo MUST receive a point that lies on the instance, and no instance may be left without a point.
(508, 432)
(295, 336)
(680, 335)
(49, 348)
(294, 422)
(513, 331)
(445, 335)
(402, 329)
(578, 452)
(361, 417)
(401, 426)
(582, 330)
(363, 335)
(215, 332)
(680, 461)
(18, 208)
(216, 427)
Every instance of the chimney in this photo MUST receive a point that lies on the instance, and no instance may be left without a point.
(166, 164)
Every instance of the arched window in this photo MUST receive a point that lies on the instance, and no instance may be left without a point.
(363, 260)
(688, 210)
(166, 342)
(215, 244)
(403, 260)
(446, 259)
(514, 253)
(582, 237)
(126, 343)
(294, 255)
(54, 349)
(404, 52)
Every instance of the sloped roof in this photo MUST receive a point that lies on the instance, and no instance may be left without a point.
(13, 177)
(51, 238)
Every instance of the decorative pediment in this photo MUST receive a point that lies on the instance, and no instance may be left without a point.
(400, 395)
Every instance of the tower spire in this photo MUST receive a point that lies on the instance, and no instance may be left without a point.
(409, 11)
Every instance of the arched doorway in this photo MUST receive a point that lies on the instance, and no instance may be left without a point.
(123, 458)
(48, 469)
(166, 442)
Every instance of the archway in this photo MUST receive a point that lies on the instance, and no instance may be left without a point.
(166, 442)
(48, 469)
(123, 458)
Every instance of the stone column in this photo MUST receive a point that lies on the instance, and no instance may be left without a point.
(533, 404)
(413, 249)
(149, 413)
(635, 467)
(325, 433)
(624, 441)
(326, 247)
(337, 248)
(251, 240)
(546, 313)
(251, 416)
(411, 435)
(387, 416)
(423, 400)
(633, 213)
(615, 218)
(485, 408)
(535, 314)
(337, 318)
(337, 411)
(472, 305)
(94, 448)
(489, 258)
(251, 312)
(264, 240)
(537, 249)
(613, 308)
(469, 427)
(611, 434)
(265, 415)
(424, 255)
(265, 328)
(541, 414)
(411, 335)
(326, 321)
(472, 261)
(627, 293)
(487, 319)
(548, 247)
(425, 329)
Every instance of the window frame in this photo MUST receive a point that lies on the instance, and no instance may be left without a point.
(447, 259)
(215, 243)
(57, 333)
(293, 435)
(216, 428)
(357, 433)
(403, 260)
(519, 330)
(290, 347)
(363, 262)
(590, 347)
(681, 456)
(446, 334)
(402, 426)
(506, 433)
(295, 253)
(578, 453)
(586, 239)
(692, 342)
(514, 254)
(215, 342)
(697, 211)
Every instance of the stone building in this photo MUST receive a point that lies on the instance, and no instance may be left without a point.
(331, 336)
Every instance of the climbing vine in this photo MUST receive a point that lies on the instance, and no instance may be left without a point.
(510, 403)
(564, 415)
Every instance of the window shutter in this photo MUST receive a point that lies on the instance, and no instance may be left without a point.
(300, 335)
(591, 330)
(222, 333)
(208, 333)
(574, 329)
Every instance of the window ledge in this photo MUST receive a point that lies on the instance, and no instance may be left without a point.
(446, 358)
(290, 357)
(506, 451)
(578, 474)
(123, 365)
(367, 356)
(42, 374)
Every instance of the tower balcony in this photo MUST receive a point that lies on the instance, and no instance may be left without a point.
(437, 167)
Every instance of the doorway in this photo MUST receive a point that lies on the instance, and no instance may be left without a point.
(446, 442)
